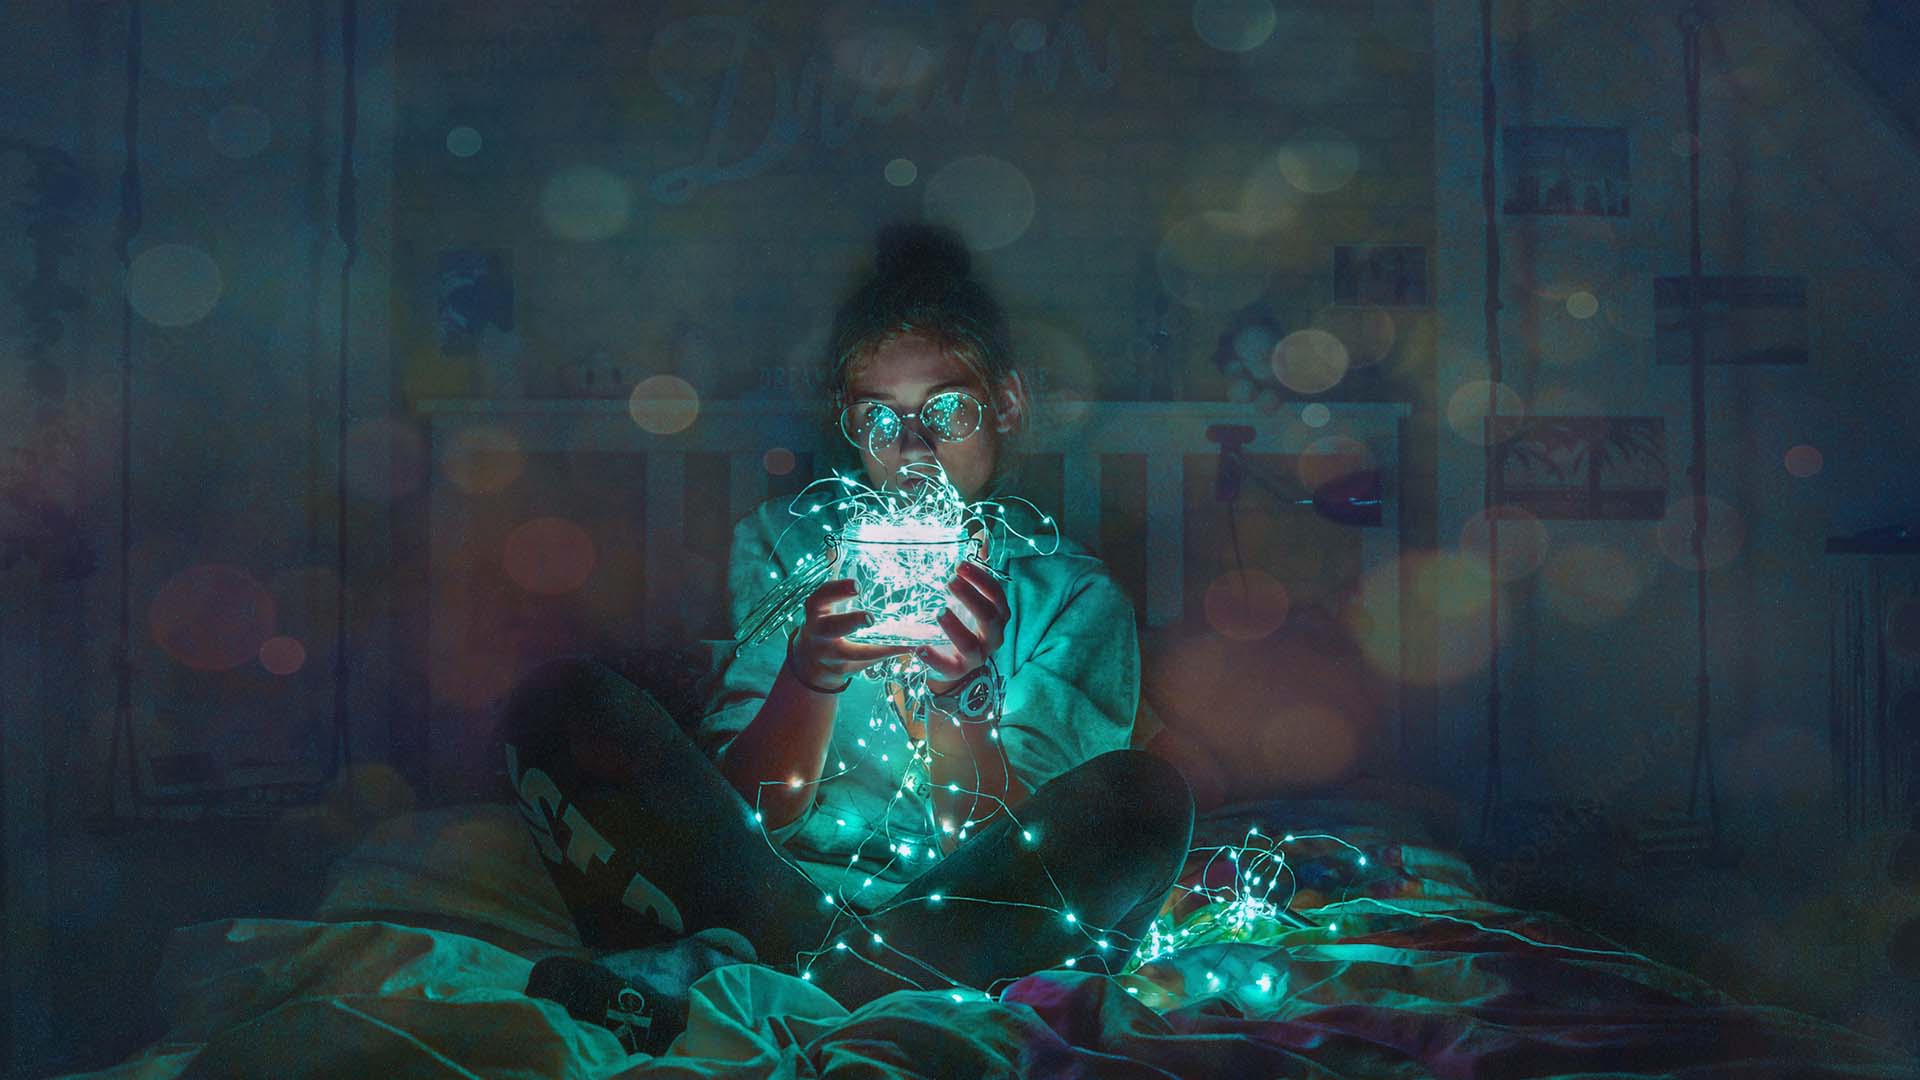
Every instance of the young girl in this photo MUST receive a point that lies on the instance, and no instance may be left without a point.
(784, 817)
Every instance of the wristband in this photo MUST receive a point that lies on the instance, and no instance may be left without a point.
(797, 677)
(977, 690)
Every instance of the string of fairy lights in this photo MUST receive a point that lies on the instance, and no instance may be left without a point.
(901, 544)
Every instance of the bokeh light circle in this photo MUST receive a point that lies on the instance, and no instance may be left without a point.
(1208, 262)
(901, 173)
(1467, 408)
(1590, 583)
(1444, 590)
(1583, 305)
(1377, 333)
(483, 459)
(212, 617)
(1523, 540)
(549, 556)
(1305, 746)
(1309, 361)
(778, 461)
(1246, 605)
(1316, 415)
(1726, 533)
(240, 131)
(1234, 25)
(282, 655)
(1318, 160)
(664, 404)
(174, 284)
(1804, 461)
(987, 199)
(463, 141)
(586, 203)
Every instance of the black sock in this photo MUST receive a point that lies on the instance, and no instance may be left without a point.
(643, 1019)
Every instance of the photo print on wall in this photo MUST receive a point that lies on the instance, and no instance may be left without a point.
(1575, 171)
(1581, 467)
(1749, 320)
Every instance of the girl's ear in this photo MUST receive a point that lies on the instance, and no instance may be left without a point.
(1010, 404)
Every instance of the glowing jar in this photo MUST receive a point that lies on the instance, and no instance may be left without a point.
(901, 570)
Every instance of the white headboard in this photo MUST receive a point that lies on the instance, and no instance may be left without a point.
(1165, 434)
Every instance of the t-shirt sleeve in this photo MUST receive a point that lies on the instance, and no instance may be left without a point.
(741, 680)
(1074, 698)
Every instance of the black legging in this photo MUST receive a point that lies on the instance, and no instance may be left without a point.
(588, 748)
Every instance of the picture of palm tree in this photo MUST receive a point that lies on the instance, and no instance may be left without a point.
(1586, 467)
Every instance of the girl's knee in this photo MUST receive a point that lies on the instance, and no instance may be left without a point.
(547, 706)
(1151, 800)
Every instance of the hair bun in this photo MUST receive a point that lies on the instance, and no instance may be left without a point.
(921, 251)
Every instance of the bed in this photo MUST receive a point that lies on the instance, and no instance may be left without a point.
(414, 963)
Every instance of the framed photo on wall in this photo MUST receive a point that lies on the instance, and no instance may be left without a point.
(1581, 467)
(1571, 171)
(1749, 320)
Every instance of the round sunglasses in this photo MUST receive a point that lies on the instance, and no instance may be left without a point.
(951, 416)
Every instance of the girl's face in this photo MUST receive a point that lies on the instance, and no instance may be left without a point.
(903, 374)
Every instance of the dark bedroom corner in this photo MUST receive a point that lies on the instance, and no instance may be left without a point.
(1210, 538)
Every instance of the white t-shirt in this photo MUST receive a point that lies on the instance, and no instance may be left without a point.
(1071, 664)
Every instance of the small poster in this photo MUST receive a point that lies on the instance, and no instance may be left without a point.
(1749, 320)
(1575, 171)
(1585, 467)
(1380, 275)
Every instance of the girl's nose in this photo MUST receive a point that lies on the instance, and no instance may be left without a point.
(914, 435)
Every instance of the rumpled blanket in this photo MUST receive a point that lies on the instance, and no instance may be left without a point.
(1408, 975)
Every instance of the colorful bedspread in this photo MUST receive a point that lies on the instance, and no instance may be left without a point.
(414, 967)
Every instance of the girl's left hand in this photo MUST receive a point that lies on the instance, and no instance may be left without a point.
(986, 602)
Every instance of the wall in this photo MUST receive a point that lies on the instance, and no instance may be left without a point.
(233, 308)
(1803, 172)
(687, 190)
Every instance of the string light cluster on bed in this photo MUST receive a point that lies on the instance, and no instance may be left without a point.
(924, 508)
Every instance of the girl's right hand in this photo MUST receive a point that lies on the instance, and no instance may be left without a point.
(819, 653)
